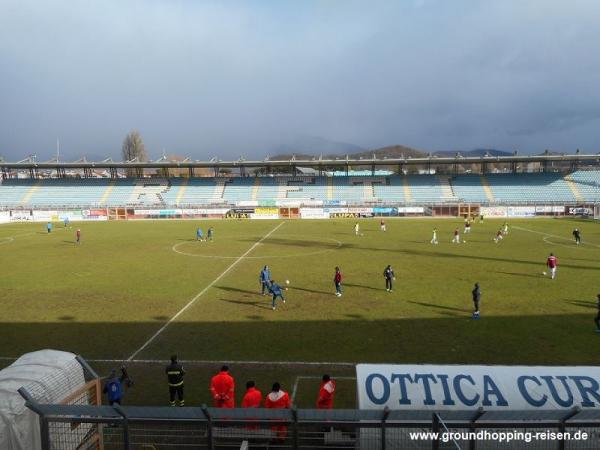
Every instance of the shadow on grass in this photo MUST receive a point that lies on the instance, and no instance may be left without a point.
(363, 286)
(243, 291)
(318, 243)
(517, 274)
(261, 305)
(582, 303)
(296, 288)
(278, 336)
(439, 254)
(447, 308)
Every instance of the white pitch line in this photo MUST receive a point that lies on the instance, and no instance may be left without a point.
(205, 361)
(552, 235)
(201, 293)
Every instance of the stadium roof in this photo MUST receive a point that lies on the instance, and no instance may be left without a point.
(318, 163)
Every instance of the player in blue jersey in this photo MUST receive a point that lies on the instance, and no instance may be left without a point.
(264, 279)
(277, 291)
(199, 234)
(49, 227)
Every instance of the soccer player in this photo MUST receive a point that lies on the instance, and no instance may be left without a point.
(252, 397)
(481, 218)
(49, 227)
(78, 236)
(264, 278)
(356, 229)
(199, 234)
(326, 393)
(222, 387)
(337, 281)
(456, 238)
(552, 264)
(467, 226)
(434, 239)
(209, 234)
(276, 291)
(278, 399)
(498, 237)
(175, 375)
(476, 292)
(382, 225)
(389, 276)
(66, 221)
(505, 229)
(577, 236)
(597, 319)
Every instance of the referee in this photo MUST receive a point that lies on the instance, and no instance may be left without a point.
(175, 375)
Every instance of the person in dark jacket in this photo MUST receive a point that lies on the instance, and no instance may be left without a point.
(476, 298)
(597, 319)
(175, 375)
(113, 386)
(389, 276)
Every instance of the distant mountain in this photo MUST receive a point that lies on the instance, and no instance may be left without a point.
(309, 146)
(393, 151)
(476, 152)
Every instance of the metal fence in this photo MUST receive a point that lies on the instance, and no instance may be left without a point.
(70, 427)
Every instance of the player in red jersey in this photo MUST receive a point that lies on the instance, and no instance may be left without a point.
(382, 225)
(78, 236)
(498, 237)
(222, 388)
(552, 264)
(326, 393)
(456, 238)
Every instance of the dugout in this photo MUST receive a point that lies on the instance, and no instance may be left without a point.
(47, 376)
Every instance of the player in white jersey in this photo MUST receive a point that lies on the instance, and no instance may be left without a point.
(434, 239)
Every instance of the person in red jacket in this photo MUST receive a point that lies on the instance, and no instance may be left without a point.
(326, 393)
(337, 280)
(278, 399)
(222, 388)
(552, 264)
(252, 397)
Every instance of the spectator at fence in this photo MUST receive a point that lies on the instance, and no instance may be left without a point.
(278, 399)
(175, 375)
(222, 387)
(113, 388)
(252, 397)
(326, 393)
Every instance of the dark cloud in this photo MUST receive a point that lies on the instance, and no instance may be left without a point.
(244, 78)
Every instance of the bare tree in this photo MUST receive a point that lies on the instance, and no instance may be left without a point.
(133, 147)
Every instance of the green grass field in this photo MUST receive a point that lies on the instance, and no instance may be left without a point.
(108, 297)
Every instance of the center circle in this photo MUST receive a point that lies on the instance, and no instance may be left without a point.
(308, 246)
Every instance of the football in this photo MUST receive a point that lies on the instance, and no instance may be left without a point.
(287, 281)
(544, 273)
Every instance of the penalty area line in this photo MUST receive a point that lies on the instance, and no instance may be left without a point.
(552, 235)
(200, 294)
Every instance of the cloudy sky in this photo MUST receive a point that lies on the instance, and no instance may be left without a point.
(232, 78)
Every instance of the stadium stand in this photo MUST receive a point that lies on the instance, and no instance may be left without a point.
(549, 187)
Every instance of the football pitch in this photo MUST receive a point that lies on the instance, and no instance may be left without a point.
(135, 292)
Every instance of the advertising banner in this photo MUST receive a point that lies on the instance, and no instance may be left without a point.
(264, 216)
(493, 211)
(21, 216)
(521, 211)
(4, 216)
(361, 210)
(444, 387)
(313, 213)
(266, 211)
(386, 211)
(579, 211)
(411, 210)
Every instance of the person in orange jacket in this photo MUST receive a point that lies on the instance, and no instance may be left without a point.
(278, 399)
(326, 393)
(252, 397)
(222, 388)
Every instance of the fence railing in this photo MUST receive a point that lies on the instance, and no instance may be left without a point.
(66, 427)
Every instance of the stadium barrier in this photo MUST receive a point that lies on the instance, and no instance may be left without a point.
(299, 211)
(131, 427)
